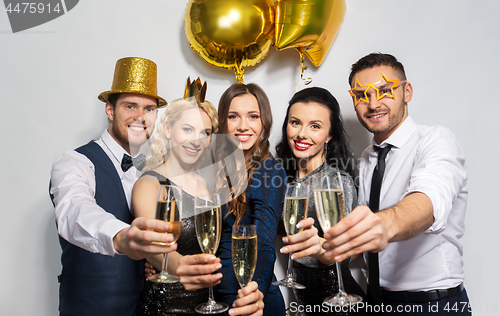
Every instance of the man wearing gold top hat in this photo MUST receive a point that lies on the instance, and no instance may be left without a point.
(102, 244)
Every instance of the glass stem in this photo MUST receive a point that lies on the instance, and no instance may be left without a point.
(341, 282)
(289, 269)
(165, 260)
(211, 301)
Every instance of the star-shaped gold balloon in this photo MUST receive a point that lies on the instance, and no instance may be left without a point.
(383, 84)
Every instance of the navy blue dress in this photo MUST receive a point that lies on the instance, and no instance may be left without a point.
(265, 197)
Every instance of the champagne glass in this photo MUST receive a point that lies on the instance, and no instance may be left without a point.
(168, 209)
(330, 209)
(244, 252)
(295, 210)
(208, 224)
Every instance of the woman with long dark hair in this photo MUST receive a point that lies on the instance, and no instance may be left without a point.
(334, 150)
(313, 141)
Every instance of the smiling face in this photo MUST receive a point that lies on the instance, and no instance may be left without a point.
(244, 121)
(308, 130)
(381, 117)
(189, 136)
(132, 120)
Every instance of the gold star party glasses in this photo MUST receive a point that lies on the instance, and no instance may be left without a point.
(383, 88)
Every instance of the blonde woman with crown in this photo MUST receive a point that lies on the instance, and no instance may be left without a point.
(182, 138)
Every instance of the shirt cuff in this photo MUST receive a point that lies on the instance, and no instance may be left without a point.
(108, 232)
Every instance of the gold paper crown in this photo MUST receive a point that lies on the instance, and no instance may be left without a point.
(195, 89)
(134, 75)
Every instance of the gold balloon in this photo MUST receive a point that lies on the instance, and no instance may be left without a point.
(230, 33)
(310, 26)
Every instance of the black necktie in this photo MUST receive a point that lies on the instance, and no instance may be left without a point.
(128, 162)
(378, 175)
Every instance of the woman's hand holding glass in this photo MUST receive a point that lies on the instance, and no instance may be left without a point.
(196, 271)
(249, 302)
(305, 243)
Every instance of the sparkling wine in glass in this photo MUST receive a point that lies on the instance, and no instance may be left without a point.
(244, 252)
(295, 210)
(208, 225)
(168, 209)
(330, 209)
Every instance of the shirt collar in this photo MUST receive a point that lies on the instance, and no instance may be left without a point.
(400, 136)
(116, 150)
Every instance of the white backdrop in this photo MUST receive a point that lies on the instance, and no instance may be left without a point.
(50, 77)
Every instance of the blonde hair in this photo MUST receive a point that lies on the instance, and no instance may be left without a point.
(158, 150)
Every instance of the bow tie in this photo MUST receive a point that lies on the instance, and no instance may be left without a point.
(128, 162)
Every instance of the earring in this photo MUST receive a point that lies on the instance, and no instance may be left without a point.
(324, 154)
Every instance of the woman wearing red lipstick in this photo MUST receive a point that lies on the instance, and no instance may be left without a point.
(314, 140)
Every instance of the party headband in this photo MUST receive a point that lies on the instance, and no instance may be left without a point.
(358, 99)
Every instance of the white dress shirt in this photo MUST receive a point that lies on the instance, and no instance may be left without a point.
(426, 159)
(79, 219)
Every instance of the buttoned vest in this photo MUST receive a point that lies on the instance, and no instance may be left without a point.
(94, 284)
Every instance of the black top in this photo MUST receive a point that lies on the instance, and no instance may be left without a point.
(171, 298)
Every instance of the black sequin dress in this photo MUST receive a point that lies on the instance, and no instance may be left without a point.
(169, 299)
(319, 279)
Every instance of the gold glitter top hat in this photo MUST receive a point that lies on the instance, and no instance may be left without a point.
(134, 75)
(195, 89)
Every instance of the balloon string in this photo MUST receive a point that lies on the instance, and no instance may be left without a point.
(302, 69)
(239, 72)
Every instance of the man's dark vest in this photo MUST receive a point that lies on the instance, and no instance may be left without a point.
(94, 284)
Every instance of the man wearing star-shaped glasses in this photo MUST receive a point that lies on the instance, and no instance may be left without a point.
(416, 219)
(383, 104)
